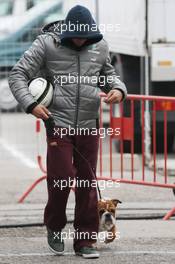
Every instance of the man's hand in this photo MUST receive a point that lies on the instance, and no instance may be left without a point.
(40, 111)
(114, 96)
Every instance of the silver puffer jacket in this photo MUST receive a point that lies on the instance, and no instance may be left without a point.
(76, 99)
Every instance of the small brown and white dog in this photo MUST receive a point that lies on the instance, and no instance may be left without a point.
(107, 214)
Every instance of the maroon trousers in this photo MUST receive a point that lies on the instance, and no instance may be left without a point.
(65, 163)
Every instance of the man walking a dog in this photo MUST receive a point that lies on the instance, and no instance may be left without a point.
(66, 48)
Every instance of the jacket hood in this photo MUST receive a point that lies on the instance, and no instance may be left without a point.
(79, 23)
(53, 27)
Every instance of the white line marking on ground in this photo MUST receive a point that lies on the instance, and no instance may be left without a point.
(101, 253)
(17, 154)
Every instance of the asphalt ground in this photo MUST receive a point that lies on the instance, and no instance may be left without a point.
(140, 242)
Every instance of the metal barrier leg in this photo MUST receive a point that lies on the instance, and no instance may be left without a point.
(169, 214)
(31, 188)
(40, 164)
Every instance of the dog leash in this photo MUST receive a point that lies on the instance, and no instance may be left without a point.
(99, 192)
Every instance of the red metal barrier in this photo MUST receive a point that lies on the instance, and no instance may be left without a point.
(40, 165)
(127, 125)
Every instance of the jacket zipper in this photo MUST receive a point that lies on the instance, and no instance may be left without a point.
(78, 92)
